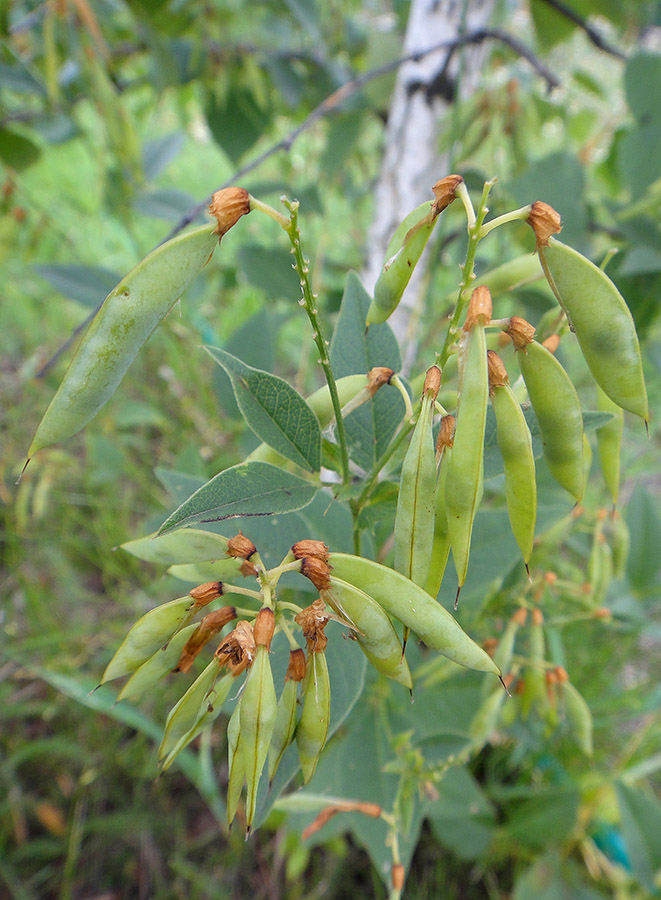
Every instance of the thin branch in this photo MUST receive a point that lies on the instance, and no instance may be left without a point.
(329, 105)
(334, 100)
(591, 32)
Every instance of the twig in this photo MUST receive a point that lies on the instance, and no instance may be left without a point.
(591, 32)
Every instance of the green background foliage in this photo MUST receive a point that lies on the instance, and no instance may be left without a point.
(117, 120)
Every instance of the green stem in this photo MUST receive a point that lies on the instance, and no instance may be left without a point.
(467, 275)
(517, 215)
(308, 301)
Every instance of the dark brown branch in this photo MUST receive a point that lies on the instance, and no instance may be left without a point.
(591, 32)
(334, 101)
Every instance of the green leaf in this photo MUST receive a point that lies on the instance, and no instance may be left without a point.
(274, 411)
(158, 153)
(190, 546)
(547, 817)
(553, 878)
(86, 284)
(642, 83)
(248, 489)
(17, 152)
(640, 815)
(269, 269)
(168, 204)
(645, 549)
(235, 121)
(371, 427)
(639, 157)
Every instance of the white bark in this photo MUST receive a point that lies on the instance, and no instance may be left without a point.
(412, 162)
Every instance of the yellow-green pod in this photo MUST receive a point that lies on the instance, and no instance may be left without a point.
(209, 710)
(620, 543)
(486, 718)
(156, 667)
(258, 711)
(513, 274)
(235, 764)
(609, 443)
(312, 728)
(148, 635)
(412, 605)
(188, 709)
(189, 545)
(441, 543)
(464, 479)
(578, 716)
(197, 573)
(600, 567)
(534, 693)
(402, 255)
(375, 633)
(128, 316)
(285, 726)
(602, 322)
(558, 411)
(414, 519)
(515, 443)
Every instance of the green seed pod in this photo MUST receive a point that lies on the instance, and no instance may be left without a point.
(486, 718)
(189, 545)
(406, 601)
(196, 573)
(609, 443)
(600, 568)
(156, 667)
(128, 316)
(579, 717)
(405, 249)
(534, 693)
(502, 656)
(198, 707)
(441, 542)
(602, 322)
(235, 763)
(258, 711)
(376, 635)
(620, 542)
(285, 719)
(558, 411)
(515, 443)
(148, 635)
(414, 519)
(513, 274)
(315, 717)
(464, 479)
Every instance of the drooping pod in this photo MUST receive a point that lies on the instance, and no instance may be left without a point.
(285, 718)
(375, 634)
(312, 728)
(441, 542)
(128, 316)
(579, 716)
(159, 664)
(534, 692)
(414, 519)
(413, 606)
(557, 408)
(405, 249)
(515, 443)
(464, 480)
(258, 711)
(235, 764)
(609, 443)
(599, 317)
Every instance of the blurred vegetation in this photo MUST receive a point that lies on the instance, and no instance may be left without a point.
(116, 119)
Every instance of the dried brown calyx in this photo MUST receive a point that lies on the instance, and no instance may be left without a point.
(209, 627)
(445, 433)
(432, 383)
(479, 308)
(205, 593)
(264, 627)
(297, 666)
(313, 549)
(445, 191)
(313, 620)
(544, 221)
(497, 371)
(237, 650)
(377, 377)
(227, 206)
(521, 332)
(317, 570)
(240, 547)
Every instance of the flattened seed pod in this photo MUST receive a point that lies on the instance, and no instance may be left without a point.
(312, 728)
(602, 323)
(558, 411)
(235, 764)
(609, 443)
(156, 667)
(515, 443)
(258, 711)
(441, 542)
(464, 480)
(409, 603)
(414, 519)
(184, 715)
(285, 719)
(376, 635)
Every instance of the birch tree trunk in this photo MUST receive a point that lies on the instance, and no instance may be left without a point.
(422, 99)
